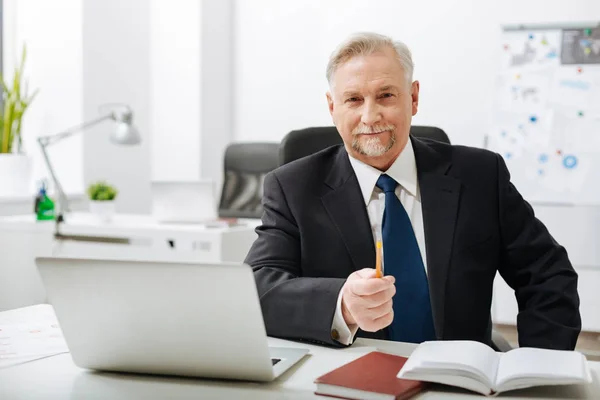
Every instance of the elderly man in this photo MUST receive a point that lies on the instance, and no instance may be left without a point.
(448, 217)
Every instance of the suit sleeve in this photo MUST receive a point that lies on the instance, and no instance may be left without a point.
(293, 306)
(539, 271)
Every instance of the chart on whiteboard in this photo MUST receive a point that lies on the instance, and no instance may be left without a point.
(546, 119)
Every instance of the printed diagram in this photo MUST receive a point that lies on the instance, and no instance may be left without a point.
(531, 50)
(524, 58)
(546, 119)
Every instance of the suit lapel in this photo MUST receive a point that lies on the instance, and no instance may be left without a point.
(439, 198)
(346, 207)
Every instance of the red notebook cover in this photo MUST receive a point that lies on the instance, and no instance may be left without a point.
(372, 375)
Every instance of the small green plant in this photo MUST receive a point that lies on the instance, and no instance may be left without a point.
(101, 191)
(15, 100)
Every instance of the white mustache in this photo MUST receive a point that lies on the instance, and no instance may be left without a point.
(366, 130)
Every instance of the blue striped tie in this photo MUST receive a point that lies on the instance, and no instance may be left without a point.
(413, 321)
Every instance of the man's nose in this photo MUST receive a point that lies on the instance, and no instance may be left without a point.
(370, 113)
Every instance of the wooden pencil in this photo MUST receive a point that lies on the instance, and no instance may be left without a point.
(378, 273)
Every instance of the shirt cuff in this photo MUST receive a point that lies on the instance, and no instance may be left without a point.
(340, 331)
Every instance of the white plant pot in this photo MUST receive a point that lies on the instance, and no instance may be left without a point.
(103, 210)
(15, 175)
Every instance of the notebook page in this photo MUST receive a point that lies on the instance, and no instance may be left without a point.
(471, 356)
(531, 366)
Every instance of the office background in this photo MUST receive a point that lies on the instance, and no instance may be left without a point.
(202, 74)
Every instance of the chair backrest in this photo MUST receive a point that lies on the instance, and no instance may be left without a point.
(303, 142)
(246, 165)
(429, 132)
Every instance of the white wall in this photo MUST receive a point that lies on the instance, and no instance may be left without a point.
(52, 33)
(191, 88)
(116, 59)
(217, 87)
(175, 57)
(281, 50)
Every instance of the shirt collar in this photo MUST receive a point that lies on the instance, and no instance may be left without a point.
(403, 170)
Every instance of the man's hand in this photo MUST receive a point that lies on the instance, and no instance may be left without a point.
(367, 301)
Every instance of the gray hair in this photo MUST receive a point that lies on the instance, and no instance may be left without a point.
(366, 43)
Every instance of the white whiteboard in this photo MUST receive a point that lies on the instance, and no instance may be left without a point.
(546, 116)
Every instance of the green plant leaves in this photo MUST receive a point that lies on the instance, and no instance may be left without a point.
(16, 102)
(101, 191)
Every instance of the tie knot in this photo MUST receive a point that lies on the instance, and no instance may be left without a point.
(386, 183)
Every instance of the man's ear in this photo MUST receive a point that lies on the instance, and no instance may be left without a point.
(330, 103)
(415, 97)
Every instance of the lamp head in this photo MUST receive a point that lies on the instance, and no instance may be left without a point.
(125, 132)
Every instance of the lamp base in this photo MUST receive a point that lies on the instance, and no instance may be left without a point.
(91, 239)
(85, 238)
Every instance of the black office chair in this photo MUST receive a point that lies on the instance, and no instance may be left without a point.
(246, 165)
(303, 142)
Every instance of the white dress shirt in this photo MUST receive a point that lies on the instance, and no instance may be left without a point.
(403, 171)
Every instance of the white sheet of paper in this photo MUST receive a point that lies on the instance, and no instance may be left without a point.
(29, 335)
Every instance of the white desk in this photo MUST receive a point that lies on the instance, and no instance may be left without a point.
(58, 378)
(23, 238)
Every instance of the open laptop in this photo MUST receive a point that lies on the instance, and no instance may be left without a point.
(200, 320)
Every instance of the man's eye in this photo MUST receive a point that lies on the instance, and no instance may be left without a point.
(386, 95)
(352, 99)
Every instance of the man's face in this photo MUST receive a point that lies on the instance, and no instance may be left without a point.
(372, 104)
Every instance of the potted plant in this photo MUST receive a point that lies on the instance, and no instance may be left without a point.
(15, 166)
(102, 200)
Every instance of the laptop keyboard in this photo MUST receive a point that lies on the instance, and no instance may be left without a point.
(275, 360)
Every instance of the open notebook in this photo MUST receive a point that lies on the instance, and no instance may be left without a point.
(475, 366)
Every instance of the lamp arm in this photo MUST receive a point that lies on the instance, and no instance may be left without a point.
(51, 139)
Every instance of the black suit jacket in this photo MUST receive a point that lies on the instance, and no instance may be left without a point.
(315, 232)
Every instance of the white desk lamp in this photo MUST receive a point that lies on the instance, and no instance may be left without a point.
(124, 133)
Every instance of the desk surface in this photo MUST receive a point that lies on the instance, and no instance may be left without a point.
(58, 378)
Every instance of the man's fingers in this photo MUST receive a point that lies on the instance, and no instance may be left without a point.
(365, 287)
(385, 320)
(377, 299)
(373, 325)
(381, 310)
(366, 273)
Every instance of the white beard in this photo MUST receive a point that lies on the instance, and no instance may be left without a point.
(372, 146)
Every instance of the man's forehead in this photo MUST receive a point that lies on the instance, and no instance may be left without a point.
(359, 84)
(372, 84)
(371, 72)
